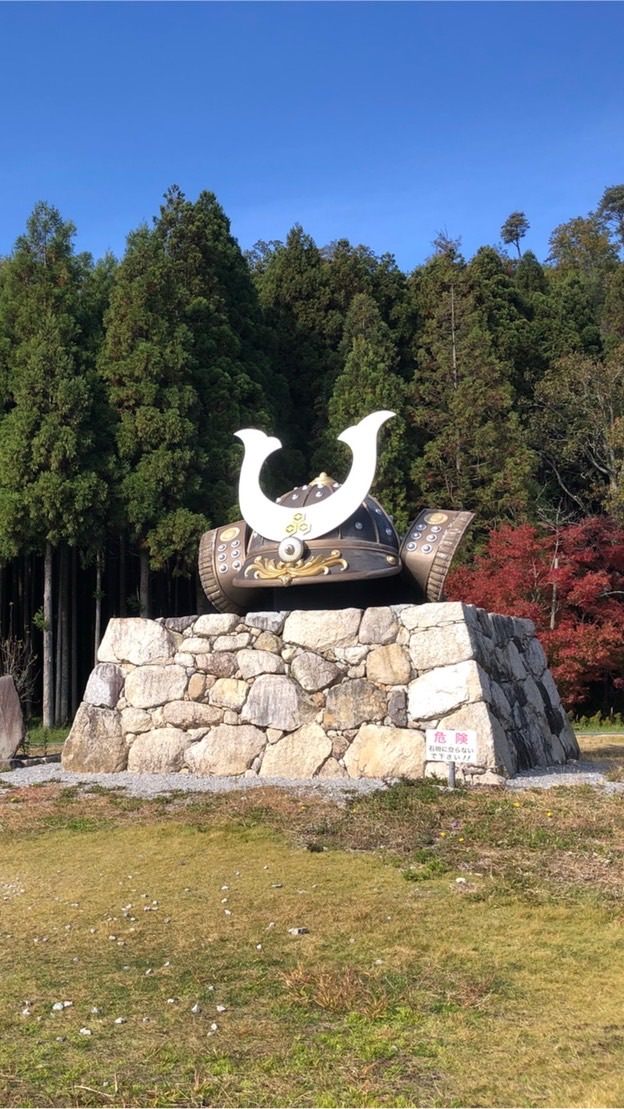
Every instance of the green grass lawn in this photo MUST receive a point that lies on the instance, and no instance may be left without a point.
(460, 949)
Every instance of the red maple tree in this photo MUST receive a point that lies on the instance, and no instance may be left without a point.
(570, 582)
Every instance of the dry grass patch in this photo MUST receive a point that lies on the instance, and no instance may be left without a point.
(607, 750)
(462, 949)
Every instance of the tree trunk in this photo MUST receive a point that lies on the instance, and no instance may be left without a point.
(123, 594)
(144, 583)
(61, 698)
(29, 604)
(58, 646)
(64, 609)
(98, 605)
(74, 632)
(48, 639)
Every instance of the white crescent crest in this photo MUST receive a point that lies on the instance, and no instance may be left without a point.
(277, 522)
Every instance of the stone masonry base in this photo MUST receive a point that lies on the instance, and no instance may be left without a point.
(347, 693)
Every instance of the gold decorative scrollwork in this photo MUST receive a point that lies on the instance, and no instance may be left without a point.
(269, 569)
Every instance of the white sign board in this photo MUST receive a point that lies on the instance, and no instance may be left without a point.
(451, 746)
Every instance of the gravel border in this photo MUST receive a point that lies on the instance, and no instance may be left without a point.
(157, 785)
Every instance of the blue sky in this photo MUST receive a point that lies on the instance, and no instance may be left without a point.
(379, 122)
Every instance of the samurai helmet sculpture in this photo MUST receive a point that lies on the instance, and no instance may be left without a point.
(334, 538)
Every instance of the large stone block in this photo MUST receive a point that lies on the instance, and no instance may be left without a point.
(318, 630)
(222, 664)
(379, 625)
(494, 747)
(11, 718)
(191, 714)
(389, 665)
(95, 742)
(299, 755)
(229, 693)
(448, 644)
(135, 720)
(104, 685)
(437, 615)
(275, 701)
(136, 640)
(353, 703)
(445, 688)
(232, 642)
(254, 662)
(266, 621)
(148, 686)
(215, 623)
(228, 749)
(160, 751)
(313, 672)
(382, 752)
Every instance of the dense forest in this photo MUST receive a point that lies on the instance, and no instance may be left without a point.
(122, 382)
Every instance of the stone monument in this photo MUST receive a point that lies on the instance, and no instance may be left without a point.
(330, 655)
(11, 719)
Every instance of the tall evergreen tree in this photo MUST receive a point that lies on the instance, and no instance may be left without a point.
(474, 453)
(184, 361)
(514, 229)
(144, 361)
(611, 211)
(53, 488)
(296, 297)
(579, 431)
(369, 382)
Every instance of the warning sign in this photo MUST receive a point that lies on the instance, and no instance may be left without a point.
(450, 746)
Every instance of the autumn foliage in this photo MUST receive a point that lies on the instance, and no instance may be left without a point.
(570, 582)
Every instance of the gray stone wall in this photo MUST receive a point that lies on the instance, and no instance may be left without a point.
(347, 693)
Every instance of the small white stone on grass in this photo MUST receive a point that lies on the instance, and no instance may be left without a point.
(121, 1020)
(214, 1026)
(297, 931)
(83, 1032)
(26, 1012)
(149, 971)
(196, 1008)
(221, 1008)
(95, 1011)
(228, 912)
(171, 1001)
(258, 947)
